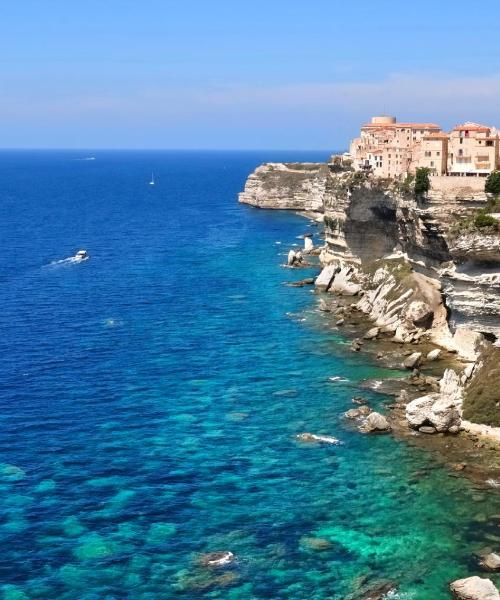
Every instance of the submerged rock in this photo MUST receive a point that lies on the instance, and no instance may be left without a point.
(380, 591)
(491, 562)
(302, 282)
(311, 437)
(324, 306)
(204, 580)
(315, 543)
(286, 393)
(356, 413)
(12, 472)
(358, 400)
(356, 345)
(474, 588)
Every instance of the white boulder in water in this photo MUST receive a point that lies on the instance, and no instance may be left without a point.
(439, 409)
(375, 423)
(474, 588)
(308, 244)
(294, 258)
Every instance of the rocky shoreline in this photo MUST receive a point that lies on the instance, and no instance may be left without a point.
(385, 264)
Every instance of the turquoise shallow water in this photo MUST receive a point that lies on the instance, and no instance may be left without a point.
(152, 395)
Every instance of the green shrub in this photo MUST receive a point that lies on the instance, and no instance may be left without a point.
(492, 185)
(422, 182)
(484, 220)
(407, 184)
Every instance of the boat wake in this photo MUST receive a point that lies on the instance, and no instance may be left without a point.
(80, 256)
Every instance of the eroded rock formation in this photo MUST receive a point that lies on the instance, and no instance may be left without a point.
(289, 186)
(400, 259)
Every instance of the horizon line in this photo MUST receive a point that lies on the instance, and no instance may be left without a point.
(87, 149)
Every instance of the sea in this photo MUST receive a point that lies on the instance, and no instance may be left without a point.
(152, 396)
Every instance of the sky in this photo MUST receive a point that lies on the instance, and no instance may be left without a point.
(225, 74)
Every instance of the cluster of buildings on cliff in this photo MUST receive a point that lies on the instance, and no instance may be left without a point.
(391, 149)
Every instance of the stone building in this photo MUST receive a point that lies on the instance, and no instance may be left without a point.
(387, 147)
(431, 152)
(391, 149)
(473, 150)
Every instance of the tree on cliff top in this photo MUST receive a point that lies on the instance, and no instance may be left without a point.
(422, 182)
(492, 185)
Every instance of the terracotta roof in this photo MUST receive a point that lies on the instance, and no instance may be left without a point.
(436, 135)
(418, 125)
(471, 127)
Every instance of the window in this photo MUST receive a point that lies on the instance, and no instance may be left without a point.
(438, 153)
(432, 163)
(489, 143)
(461, 140)
(460, 152)
(427, 153)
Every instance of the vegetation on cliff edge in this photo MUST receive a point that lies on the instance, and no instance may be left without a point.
(492, 185)
(482, 397)
(422, 181)
(479, 222)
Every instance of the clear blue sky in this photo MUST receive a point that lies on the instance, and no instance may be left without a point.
(232, 74)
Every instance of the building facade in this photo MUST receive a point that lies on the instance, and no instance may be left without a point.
(473, 150)
(386, 147)
(391, 149)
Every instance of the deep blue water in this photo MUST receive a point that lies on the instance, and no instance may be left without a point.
(152, 395)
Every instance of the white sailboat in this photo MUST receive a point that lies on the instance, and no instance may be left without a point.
(152, 182)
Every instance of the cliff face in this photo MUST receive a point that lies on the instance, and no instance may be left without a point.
(401, 261)
(368, 219)
(289, 186)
